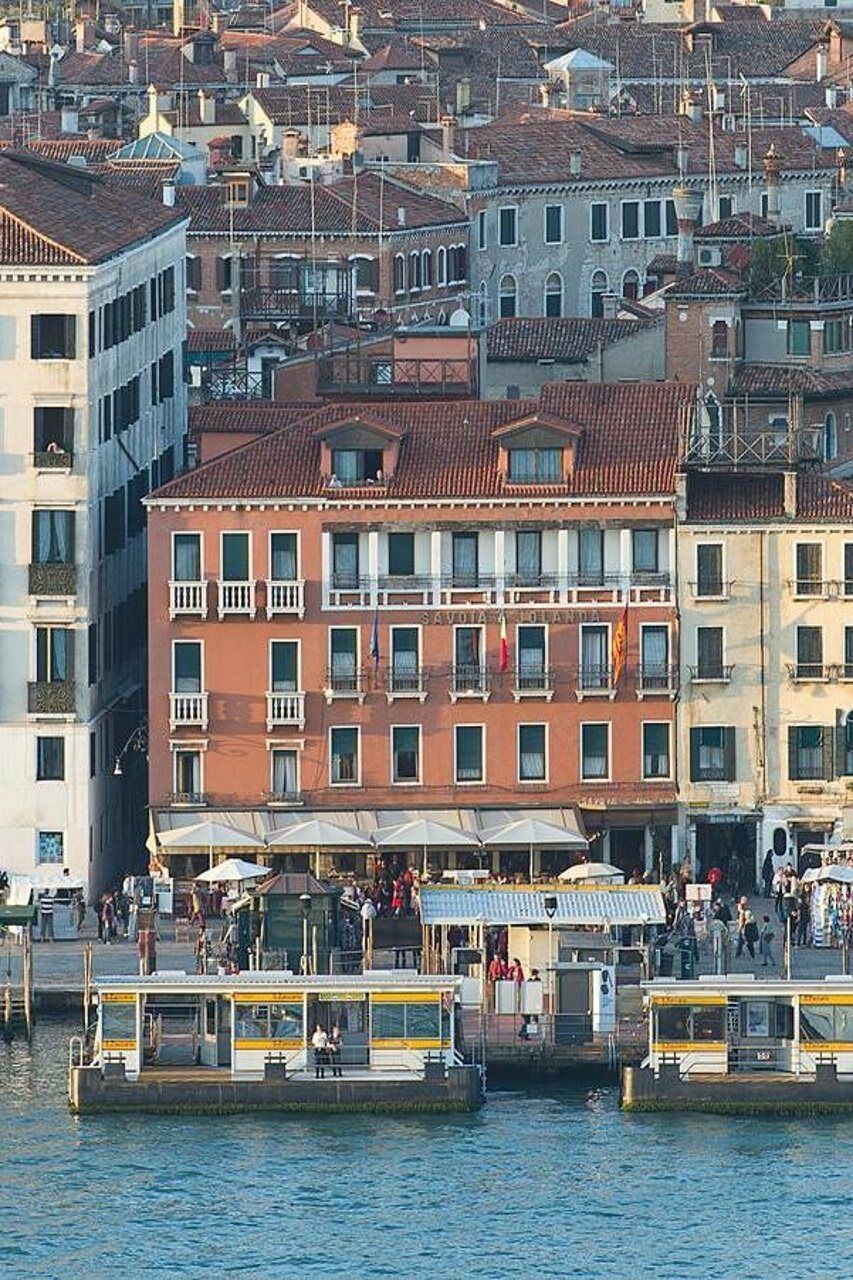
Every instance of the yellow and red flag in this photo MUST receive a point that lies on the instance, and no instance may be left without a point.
(504, 646)
(619, 648)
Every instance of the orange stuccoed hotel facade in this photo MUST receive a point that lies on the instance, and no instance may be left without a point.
(327, 603)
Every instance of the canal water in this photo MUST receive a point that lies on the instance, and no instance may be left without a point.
(547, 1182)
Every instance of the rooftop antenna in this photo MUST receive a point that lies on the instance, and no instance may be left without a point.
(712, 158)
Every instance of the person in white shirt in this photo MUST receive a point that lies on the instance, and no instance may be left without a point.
(319, 1043)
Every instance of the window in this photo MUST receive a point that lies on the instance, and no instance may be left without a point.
(441, 265)
(426, 269)
(651, 219)
(814, 211)
(187, 775)
(712, 754)
(595, 657)
(167, 378)
(508, 226)
(344, 756)
(224, 273)
(50, 847)
(399, 274)
(598, 288)
(284, 773)
(809, 752)
(809, 653)
(799, 338)
(709, 569)
(719, 340)
(482, 237)
(835, 336)
(671, 218)
(401, 555)
(186, 659)
(656, 751)
(654, 657)
(535, 466)
(366, 274)
(507, 298)
(406, 753)
(283, 567)
(631, 285)
(531, 753)
(765, 204)
(530, 659)
(53, 337)
(598, 222)
(553, 224)
(414, 271)
(194, 269)
(725, 207)
(554, 294)
(50, 759)
(468, 741)
(405, 660)
(644, 549)
(528, 557)
(343, 653)
(235, 557)
(469, 675)
(830, 438)
(844, 733)
(53, 537)
(630, 220)
(357, 466)
(186, 557)
(345, 567)
(809, 565)
(466, 557)
(591, 557)
(54, 655)
(595, 752)
(53, 430)
(284, 666)
(709, 653)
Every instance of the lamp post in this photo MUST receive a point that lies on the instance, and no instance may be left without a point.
(305, 904)
(136, 741)
(550, 912)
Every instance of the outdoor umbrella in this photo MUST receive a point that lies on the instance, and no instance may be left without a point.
(317, 834)
(424, 833)
(233, 871)
(832, 873)
(209, 835)
(534, 833)
(594, 872)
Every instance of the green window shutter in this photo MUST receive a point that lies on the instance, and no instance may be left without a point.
(694, 755)
(730, 753)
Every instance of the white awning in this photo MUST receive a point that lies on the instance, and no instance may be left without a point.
(598, 906)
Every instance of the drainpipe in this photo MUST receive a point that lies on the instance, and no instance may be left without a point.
(763, 671)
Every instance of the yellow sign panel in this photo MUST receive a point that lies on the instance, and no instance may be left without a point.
(690, 1046)
(686, 1001)
(406, 997)
(120, 1044)
(268, 1044)
(269, 997)
(118, 997)
(838, 998)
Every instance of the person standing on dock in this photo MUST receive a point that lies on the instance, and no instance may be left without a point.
(319, 1043)
(765, 943)
(334, 1046)
(201, 951)
(46, 918)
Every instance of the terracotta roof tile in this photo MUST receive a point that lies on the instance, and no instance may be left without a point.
(211, 340)
(709, 282)
(247, 417)
(746, 497)
(782, 379)
(568, 340)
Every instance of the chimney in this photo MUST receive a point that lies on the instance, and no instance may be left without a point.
(545, 93)
(229, 65)
(688, 207)
(447, 132)
(402, 217)
(130, 44)
(262, 80)
(206, 107)
(69, 120)
(81, 35)
(741, 155)
(355, 26)
(692, 108)
(831, 95)
(821, 61)
(681, 154)
(133, 73)
(463, 95)
(290, 144)
(169, 193)
(772, 167)
(575, 163)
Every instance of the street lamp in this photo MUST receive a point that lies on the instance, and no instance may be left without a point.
(550, 911)
(305, 904)
(137, 741)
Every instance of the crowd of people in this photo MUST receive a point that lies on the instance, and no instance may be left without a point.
(395, 891)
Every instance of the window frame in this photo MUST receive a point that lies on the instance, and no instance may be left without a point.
(405, 782)
(513, 209)
(546, 771)
(469, 782)
(187, 533)
(243, 533)
(623, 205)
(185, 749)
(482, 231)
(607, 776)
(356, 729)
(188, 640)
(549, 208)
(290, 533)
(808, 196)
(599, 204)
(656, 777)
(44, 777)
(272, 747)
(703, 595)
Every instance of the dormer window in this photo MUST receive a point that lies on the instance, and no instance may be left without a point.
(357, 466)
(535, 466)
(238, 192)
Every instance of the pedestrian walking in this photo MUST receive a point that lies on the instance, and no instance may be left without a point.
(765, 943)
(767, 873)
(201, 951)
(718, 931)
(749, 934)
(46, 918)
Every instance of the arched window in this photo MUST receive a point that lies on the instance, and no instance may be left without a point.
(482, 303)
(508, 297)
(554, 294)
(441, 265)
(719, 340)
(399, 274)
(598, 288)
(426, 269)
(830, 438)
(631, 285)
(414, 271)
(461, 263)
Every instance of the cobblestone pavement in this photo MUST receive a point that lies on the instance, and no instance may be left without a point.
(807, 962)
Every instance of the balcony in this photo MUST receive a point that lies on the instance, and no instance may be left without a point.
(348, 374)
(286, 709)
(236, 599)
(400, 590)
(533, 684)
(284, 596)
(187, 599)
(188, 799)
(297, 301)
(188, 709)
(539, 588)
(818, 671)
(52, 459)
(595, 681)
(53, 580)
(812, 588)
(344, 684)
(51, 698)
(406, 683)
(284, 799)
(349, 590)
(655, 680)
(717, 674)
(469, 681)
(464, 589)
(731, 448)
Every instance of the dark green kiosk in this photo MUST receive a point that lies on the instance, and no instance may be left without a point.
(292, 914)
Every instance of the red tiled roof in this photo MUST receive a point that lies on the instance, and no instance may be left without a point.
(740, 226)
(292, 105)
(211, 340)
(247, 417)
(746, 497)
(397, 55)
(55, 213)
(709, 282)
(629, 445)
(567, 339)
(782, 379)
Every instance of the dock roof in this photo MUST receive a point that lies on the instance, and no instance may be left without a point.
(588, 905)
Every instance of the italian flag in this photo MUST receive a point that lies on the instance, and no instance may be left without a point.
(504, 646)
